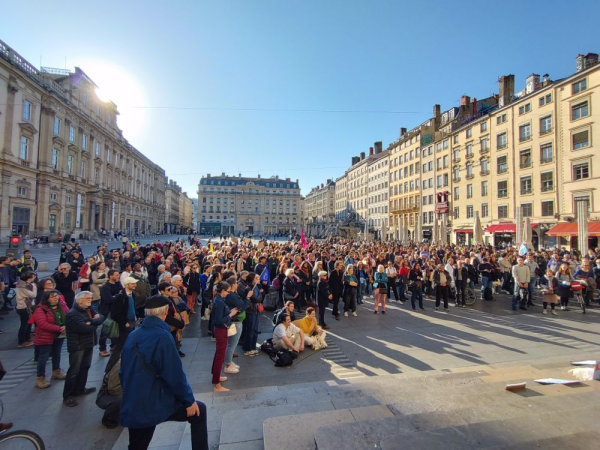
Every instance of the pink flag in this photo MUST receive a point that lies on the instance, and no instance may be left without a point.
(303, 239)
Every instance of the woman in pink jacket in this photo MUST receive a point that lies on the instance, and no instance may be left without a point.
(49, 319)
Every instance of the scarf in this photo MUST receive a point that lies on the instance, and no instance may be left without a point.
(59, 315)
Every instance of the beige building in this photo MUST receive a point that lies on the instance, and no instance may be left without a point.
(173, 208)
(186, 208)
(319, 209)
(378, 202)
(65, 166)
(248, 206)
(341, 197)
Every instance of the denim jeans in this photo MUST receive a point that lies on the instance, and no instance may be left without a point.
(417, 295)
(251, 334)
(485, 282)
(44, 352)
(530, 287)
(232, 342)
(25, 328)
(516, 295)
(361, 290)
(79, 366)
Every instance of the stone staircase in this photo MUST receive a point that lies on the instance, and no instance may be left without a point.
(463, 408)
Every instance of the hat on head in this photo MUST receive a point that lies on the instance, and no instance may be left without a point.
(130, 280)
(158, 301)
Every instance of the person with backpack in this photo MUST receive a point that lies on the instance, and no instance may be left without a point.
(485, 268)
(288, 336)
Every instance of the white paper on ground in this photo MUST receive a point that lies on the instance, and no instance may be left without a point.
(555, 381)
(589, 362)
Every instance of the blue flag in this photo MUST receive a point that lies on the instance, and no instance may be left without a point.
(266, 276)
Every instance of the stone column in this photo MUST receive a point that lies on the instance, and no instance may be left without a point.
(9, 124)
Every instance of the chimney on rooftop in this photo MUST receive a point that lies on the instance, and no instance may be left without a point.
(465, 100)
(402, 131)
(362, 155)
(378, 147)
(222, 174)
(355, 159)
(208, 175)
(328, 180)
(370, 151)
(532, 83)
(506, 89)
(259, 176)
(437, 110)
(584, 62)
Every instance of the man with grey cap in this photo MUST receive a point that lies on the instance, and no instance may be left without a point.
(122, 311)
(155, 388)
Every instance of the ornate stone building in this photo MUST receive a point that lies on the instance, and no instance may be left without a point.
(65, 166)
(319, 208)
(251, 206)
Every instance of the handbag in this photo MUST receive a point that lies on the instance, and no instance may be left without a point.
(261, 308)
(232, 330)
(110, 328)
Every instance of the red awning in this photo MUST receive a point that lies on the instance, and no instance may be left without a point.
(570, 229)
(505, 228)
(464, 231)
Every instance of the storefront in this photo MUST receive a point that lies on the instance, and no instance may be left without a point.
(506, 233)
(427, 233)
(464, 237)
(567, 232)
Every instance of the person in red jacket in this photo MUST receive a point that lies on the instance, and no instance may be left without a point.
(49, 319)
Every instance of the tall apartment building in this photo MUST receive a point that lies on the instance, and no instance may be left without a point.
(65, 166)
(378, 173)
(252, 206)
(173, 208)
(186, 207)
(319, 209)
(341, 197)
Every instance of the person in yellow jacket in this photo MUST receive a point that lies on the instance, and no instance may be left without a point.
(314, 335)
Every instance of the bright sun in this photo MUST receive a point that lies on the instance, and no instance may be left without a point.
(117, 85)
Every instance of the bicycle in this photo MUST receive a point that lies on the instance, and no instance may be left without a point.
(470, 296)
(578, 288)
(19, 439)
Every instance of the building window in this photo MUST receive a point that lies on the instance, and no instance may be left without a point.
(26, 110)
(456, 212)
(547, 179)
(24, 148)
(526, 185)
(579, 86)
(484, 188)
(581, 140)
(501, 119)
(469, 211)
(84, 142)
(501, 141)
(548, 208)
(70, 164)
(68, 220)
(483, 127)
(502, 189)
(525, 132)
(455, 139)
(469, 133)
(469, 150)
(581, 171)
(503, 211)
(71, 134)
(502, 164)
(484, 145)
(439, 163)
(56, 126)
(579, 110)
(446, 161)
(83, 172)
(439, 181)
(545, 99)
(527, 209)
(524, 109)
(22, 191)
(546, 154)
(456, 173)
(469, 191)
(469, 170)
(456, 156)
(456, 193)
(484, 210)
(546, 124)
(484, 167)
(446, 180)
(525, 158)
(97, 149)
(84, 98)
(54, 160)
(53, 196)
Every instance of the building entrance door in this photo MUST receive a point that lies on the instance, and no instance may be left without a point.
(20, 221)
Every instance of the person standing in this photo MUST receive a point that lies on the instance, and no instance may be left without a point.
(533, 269)
(108, 293)
(222, 317)
(323, 297)
(441, 280)
(26, 292)
(336, 287)
(155, 388)
(123, 312)
(522, 276)
(380, 285)
(66, 282)
(192, 285)
(350, 291)
(80, 327)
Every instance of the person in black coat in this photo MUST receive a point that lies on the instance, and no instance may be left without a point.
(192, 283)
(66, 279)
(108, 292)
(336, 286)
(123, 312)
(323, 297)
(173, 318)
(461, 273)
(80, 327)
(75, 260)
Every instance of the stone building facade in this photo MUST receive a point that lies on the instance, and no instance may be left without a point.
(319, 209)
(65, 167)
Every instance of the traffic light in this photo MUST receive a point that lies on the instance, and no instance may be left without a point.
(14, 241)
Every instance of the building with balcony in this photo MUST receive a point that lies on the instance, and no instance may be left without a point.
(341, 197)
(378, 202)
(65, 166)
(173, 208)
(248, 206)
(319, 209)
(186, 208)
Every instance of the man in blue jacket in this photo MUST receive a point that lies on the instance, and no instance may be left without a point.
(155, 388)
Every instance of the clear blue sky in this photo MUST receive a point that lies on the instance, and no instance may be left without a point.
(219, 85)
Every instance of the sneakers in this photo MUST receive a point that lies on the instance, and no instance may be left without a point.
(562, 308)
(437, 308)
(251, 353)
(58, 375)
(104, 354)
(554, 313)
(354, 314)
(346, 314)
(41, 383)
(544, 312)
(231, 369)
(234, 365)
(401, 302)
(446, 310)
(25, 344)
(70, 402)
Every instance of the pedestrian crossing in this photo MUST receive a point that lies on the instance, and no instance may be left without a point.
(341, 366)
(15, 377)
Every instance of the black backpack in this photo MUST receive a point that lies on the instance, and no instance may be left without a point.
(268, 348)
(283, 359)
(487, 294)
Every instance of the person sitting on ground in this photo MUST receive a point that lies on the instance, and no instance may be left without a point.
(288, 336)
(288, 309)
(311, 330)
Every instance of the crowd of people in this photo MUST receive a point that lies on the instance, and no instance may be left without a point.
(133, 302)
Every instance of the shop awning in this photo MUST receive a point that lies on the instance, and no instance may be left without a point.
(470, 230)
(505, 228)
(570, 229)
